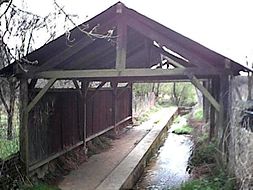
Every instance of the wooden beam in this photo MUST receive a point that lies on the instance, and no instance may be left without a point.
(121, 47)
(40, 94)
(205, 92)
(124, 89)
(131, 102)
(41, 163)
(173, 62)
(179, 43)
(78, 88)
(224, 125)
(114, 106)
(23, 130)
(166, 41)
(84, 87)
(124, 73)
(72, 50)
(107, 129)
(32, 83)
(212, 132)
(174, 59)
(96, 90)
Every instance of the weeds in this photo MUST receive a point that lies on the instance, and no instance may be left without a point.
(198, 114)
(204, 168)
(146, 115)
(40, 187)
(185, 129)
(8, 147)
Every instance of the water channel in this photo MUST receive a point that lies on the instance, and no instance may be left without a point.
(167, 169)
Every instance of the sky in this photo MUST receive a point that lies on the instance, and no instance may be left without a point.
(224, 26)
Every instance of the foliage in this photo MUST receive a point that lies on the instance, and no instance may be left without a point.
(219, 181)
(8, 147)
(204, 159)
(185, 129)
(142, 88)
(146, 115)
(40, 186)
(198, 114)
(180, 94)
(203, 153)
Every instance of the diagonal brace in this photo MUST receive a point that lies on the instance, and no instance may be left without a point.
(40, 94)
(205, 92)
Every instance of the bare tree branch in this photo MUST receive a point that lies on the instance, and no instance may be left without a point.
(91, 33)
(9, 5)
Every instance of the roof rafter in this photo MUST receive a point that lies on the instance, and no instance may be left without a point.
(165, 41)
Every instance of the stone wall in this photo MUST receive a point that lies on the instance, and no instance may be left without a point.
(241, 138)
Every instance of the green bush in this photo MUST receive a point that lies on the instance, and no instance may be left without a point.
(217, 181)
(8, 147)
(146, 115)
(203, 153)
(179, 94)
(185, 129)
(198, 114)
(40, 187)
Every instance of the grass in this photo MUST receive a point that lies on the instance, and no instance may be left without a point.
(185, 129)
(203, 164)
(40, 187)
(8, 147)
(180, 125)
(218, 182)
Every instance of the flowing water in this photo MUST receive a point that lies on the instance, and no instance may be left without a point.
(167, 169)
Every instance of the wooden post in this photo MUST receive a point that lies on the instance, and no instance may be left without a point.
(121, 38)
(223, 125)
(114, 106)
(204, 91)
(84, 88)
(23, 130)
(206, 105)
(213, 86)
(40, 94)
(131, 102)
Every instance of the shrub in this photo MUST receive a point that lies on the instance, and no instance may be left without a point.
(185, 129)
(198, 114)
(203, 153)
(219, 181)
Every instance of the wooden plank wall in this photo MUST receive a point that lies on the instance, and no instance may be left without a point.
(55, 122)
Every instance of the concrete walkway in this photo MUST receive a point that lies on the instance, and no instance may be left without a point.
(92, 173)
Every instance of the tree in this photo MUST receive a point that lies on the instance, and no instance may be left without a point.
(16, 40)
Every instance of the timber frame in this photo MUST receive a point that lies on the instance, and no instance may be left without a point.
(139, 50)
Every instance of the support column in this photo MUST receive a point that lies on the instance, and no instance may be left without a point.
(114, 107)
(206, 104)
(224, 128)
(23, 130)
(213, 87)
(131, 103)
(84, 88)
(121, 38)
